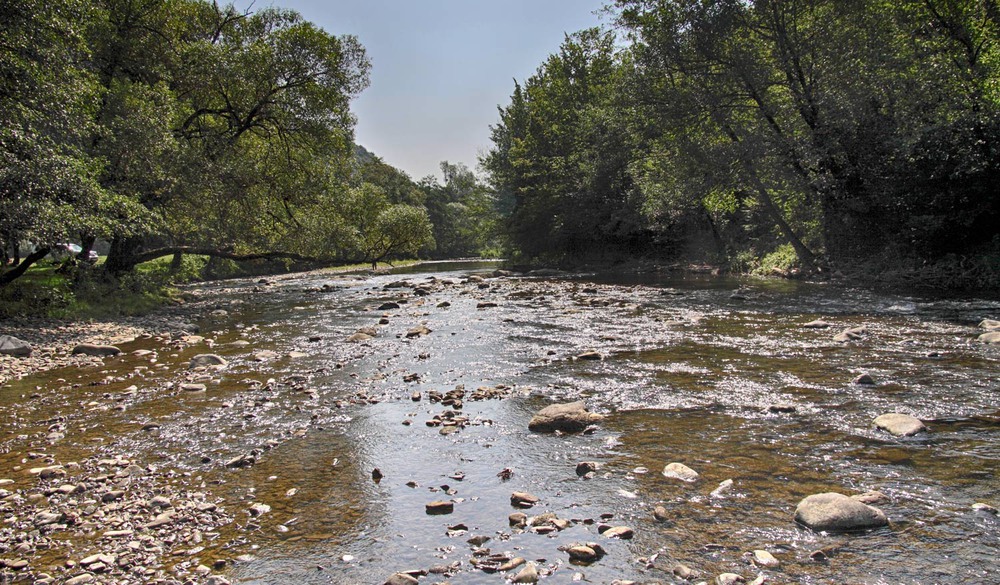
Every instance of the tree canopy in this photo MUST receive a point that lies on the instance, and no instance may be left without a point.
(841, 130)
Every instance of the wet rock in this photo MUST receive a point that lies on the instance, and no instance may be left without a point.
(622, 532)
(863, 380)
(13, 346)
(989, 325)
(850, 334)
(990, 337)
(259, 509)
(388, 306)
(900, 425)
(512, 564)
(782, 408)
(818, 324)
(523, 500)
(207, 360)
(723, 489)
(518, 519)
(765, 560)
(80, 579)
(529, 574)
(48, 518)
(443, 305)
(872, 497)
(680, 471)
(96, 350)
(401, 579)
(418, 331)
(585, 467)
(590, 355)
(217, 580)
(191, 387)
(486, 305)
(440, 507)
(986, 508)
(661, 514)
(835, 512)
(582, 553)
(729, 579)
(570, 417)
(682, 571)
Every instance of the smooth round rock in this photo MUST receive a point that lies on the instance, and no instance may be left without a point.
(207, 360)
(900, 425)
(622, 532)
(680, 471)
(764, 559)
(582, 553)
(835, 512)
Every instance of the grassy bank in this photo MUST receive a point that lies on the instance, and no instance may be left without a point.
(81, 292)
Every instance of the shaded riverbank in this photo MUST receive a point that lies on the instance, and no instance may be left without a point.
(283, 441)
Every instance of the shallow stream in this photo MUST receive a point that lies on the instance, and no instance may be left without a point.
(690, 366)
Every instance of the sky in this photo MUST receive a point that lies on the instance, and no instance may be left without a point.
(440, 68)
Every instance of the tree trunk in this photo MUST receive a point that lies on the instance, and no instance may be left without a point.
(22, 267)
(87, 243)
(123, 256)
(176, 262)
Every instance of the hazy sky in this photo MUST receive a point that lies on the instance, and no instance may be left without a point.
(440, 68)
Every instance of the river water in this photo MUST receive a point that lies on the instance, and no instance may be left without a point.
(691, 365)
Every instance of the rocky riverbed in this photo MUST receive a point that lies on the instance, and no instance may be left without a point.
(394, 428)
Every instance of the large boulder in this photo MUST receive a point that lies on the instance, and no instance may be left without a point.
(571, 417)
(901, 425)
(10, 345)
(990, 325)
(833, 512)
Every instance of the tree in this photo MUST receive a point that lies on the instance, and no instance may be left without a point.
(47, 182)
(261, 118)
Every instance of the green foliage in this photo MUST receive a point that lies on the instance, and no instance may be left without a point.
(822, 129)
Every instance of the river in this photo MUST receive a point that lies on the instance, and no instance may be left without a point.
(690, 368)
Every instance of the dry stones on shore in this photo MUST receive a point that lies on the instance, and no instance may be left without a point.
(13, 346)
(571, 417)
(835, 512)
(96, 350)
(680, 471)
(900, 425)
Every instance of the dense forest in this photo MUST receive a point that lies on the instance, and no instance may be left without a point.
(792, 136)
(179, 126)
(810, 135)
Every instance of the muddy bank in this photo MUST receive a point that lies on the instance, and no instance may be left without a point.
(370, 428)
